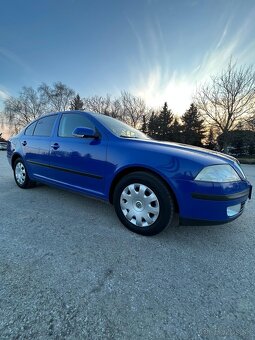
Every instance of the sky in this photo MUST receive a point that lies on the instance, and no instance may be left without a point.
(160, 50)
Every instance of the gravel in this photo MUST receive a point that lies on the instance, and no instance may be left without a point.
(70, 270)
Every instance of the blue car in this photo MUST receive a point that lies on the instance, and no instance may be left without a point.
(147, 181)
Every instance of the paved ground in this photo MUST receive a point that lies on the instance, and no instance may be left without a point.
(70, 270)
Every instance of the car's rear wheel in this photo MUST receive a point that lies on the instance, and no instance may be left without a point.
(143, 203)
(21, 176)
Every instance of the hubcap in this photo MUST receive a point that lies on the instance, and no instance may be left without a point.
(20, 173)
(139, 205)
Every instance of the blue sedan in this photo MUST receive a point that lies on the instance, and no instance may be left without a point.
(147, 181)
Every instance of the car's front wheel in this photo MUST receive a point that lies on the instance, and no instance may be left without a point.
(21, 176)
(143, 203)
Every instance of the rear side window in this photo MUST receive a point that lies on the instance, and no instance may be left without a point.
(44, 126)
(30, 129)
(70, 121)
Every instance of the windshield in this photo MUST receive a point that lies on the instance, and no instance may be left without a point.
(119, 128)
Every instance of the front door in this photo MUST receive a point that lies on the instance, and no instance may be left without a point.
(75, 162)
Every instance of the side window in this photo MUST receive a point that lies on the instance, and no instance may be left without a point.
(70, 121)
(44, 126)
(30, 129)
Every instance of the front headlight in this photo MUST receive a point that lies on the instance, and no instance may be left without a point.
(218, 173)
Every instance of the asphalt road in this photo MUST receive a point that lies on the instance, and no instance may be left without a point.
(70, 270)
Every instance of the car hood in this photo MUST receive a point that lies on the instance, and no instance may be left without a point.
(188, 150)
(194, 149)
(200, 157)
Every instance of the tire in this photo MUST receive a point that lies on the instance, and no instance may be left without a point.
(21, 176)
(143, 203)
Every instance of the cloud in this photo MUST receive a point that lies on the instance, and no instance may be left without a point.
(4, 95)
(155, 78)
(177, 90)
(12, 57)
(236, 45)
(223, 35)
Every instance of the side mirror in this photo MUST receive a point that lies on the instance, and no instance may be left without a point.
(84, 132)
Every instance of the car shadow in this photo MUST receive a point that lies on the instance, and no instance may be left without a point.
(102, 214)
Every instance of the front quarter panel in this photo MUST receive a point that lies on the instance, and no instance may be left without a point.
(167, 163)
(178, 168)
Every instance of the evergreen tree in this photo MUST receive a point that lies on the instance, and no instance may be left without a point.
(240, 142)
(211, 144)
(193, 127)
(152, 125)
(76, 103)
(251, 149)
(164, 121)
(144, 125)
(175, 132)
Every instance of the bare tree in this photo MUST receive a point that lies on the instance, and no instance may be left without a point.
(98, 104)
(20, 111)
(133, 107)
(227, 99)
(117, 110)
(127, 107)
(58, 97)
(251, 122)
(32, 103)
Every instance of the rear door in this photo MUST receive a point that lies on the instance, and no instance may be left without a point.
(36, 146)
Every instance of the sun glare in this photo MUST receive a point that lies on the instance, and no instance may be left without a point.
(178, 96)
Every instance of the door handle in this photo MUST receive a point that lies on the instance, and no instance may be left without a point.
(55, 146)
(24, 143)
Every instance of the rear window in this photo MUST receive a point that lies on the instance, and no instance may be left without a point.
(44, 126)
(30, 129)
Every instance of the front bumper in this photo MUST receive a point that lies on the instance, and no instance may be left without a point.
(211, 203)
(198, 222)
(228, 197)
